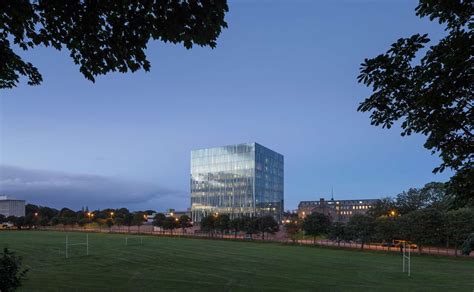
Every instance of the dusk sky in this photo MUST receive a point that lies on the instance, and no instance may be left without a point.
(283, 75)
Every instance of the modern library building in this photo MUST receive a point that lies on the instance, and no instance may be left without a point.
(238, 180)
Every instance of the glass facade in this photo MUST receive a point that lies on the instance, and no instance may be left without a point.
(239, 180)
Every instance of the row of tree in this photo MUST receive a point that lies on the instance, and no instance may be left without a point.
(433, 195)
(423, 216)
(170, 223)
(223, 224)
(45, 216)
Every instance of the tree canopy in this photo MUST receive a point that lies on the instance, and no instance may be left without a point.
(267, 224)
(170, 223)
(221, 223)
(432, 195)
(459, 225)
(424, 226)
(102, 36)
(360, 228)
(430, 94)
(11, 271)
(208, 223)
(159, 219)
(316, 224)
(184, 222)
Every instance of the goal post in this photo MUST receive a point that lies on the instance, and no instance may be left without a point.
(68, 244)
(406, 259)
(133, 239)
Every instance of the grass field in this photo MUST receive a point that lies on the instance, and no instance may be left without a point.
(163, 263)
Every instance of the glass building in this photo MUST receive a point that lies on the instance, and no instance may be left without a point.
(238, 180)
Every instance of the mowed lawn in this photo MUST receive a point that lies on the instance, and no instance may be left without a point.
(163, 263)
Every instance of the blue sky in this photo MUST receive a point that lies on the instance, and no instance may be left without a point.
(283, 75)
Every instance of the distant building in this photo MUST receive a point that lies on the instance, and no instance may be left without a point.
(338, 210)
(177, 214)
(238, 180)
(12, 207)
(149, 218)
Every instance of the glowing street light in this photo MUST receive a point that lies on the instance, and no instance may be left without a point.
(89, 214)
(393, 213)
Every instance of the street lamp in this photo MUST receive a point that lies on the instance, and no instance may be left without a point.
(393, 213)
(90, 216)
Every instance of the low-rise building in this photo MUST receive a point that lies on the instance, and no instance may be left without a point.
(177, 214)
(338, 210)
(12, 207)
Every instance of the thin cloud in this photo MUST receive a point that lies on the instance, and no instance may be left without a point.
(60, 189)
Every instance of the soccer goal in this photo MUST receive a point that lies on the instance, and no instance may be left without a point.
(133, 240)
(407, 259)
(69, 245)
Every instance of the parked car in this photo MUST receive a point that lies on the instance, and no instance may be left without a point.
(408, 244)
(7, 225)
(388, 244)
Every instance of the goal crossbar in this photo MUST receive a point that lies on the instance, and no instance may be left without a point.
(135, 238)
(77, 243)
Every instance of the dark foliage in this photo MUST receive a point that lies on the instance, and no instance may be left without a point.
(267, 225)
(432, 96)
(382, 207)
(386, 229)
(170, 223)
(11, 272)
(459, 224)
(361, 228)
(337, 232)
(221, 223)
(184, 222)
(423, 227)
(316, 224)
(468, 245)
(207, 224)
(159, 219)
(102, 36)
(292, 228)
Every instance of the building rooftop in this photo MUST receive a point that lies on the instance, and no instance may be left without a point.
(5, 198)
(342, 202)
